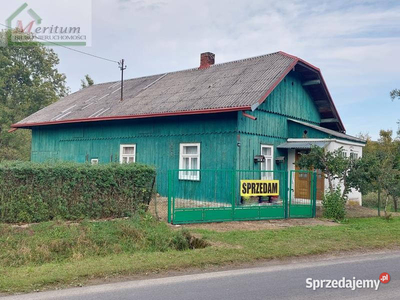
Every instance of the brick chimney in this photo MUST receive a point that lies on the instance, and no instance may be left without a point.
(206, 59)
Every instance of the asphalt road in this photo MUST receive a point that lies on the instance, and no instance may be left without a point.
(279, 281)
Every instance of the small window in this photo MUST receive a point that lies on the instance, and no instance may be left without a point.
(268, 165)
(127, 154)
(189, 159)
(94, 161)
(344, 153)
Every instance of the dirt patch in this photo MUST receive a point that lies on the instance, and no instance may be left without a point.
(259, 225)
(159, 208)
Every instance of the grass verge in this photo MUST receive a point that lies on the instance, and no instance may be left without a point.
(166, 249)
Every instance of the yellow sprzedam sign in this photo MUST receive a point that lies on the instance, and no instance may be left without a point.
(259, 187)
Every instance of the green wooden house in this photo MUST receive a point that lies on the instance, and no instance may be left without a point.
(217, 116)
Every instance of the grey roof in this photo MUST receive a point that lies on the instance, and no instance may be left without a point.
(238, 84)
(329, 131)
(301, 145)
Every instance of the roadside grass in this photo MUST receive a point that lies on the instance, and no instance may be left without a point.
(60, 241)
(106, 250)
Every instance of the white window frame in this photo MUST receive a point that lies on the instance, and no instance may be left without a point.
(121, 151)
(195, 176)
(267, 175)
(94, 161)
(352, 154)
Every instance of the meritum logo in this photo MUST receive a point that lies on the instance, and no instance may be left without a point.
(57, 29)
(343, 283)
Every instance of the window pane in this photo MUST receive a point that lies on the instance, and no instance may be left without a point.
(131, 159)
(190, 150)
(194, 163)
(185, 163)
(353, 155)
(124, 160)
(128, 150)
(269, 164)
(266, 151)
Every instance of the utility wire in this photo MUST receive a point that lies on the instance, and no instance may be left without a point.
(69, 48)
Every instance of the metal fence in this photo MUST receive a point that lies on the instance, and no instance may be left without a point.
(196, 196)
(302, 194)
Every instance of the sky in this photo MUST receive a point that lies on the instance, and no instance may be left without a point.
(356, 44)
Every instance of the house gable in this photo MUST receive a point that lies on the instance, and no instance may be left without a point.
(288, 100)
(291, 99)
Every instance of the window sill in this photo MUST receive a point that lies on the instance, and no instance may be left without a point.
(189, 179)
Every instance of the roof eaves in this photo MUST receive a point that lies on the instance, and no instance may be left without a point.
(328, 131)
(129, 117)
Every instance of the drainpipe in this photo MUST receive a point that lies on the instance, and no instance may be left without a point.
(248, 116)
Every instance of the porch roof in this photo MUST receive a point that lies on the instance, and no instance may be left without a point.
(301, 145)
(329, 132)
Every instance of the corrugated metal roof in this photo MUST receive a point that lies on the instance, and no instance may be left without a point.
(329, 131)
(231, 86)
(235, 84)
(301, 145)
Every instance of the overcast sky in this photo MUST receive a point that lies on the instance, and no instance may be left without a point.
(355, 43)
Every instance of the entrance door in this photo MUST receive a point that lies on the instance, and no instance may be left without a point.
(303, 182)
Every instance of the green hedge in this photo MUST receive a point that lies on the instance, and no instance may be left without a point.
(32, 192)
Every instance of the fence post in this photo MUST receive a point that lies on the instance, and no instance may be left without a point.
(285, 179)
(233, 194)
(290, 194)
(314, 208)
(169, 196)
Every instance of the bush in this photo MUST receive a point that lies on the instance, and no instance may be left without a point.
(32, 192)
(334, 205)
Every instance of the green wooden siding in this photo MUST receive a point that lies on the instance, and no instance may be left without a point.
(157, 142)
(288, 100)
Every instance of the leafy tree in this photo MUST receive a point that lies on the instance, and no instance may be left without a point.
(395, 94)
(389, 162)
(333, 164)
(87, 81)
(379, 169)
(29, 81)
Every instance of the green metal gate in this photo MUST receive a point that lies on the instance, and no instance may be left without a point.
(197, 196)
(302, 194)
